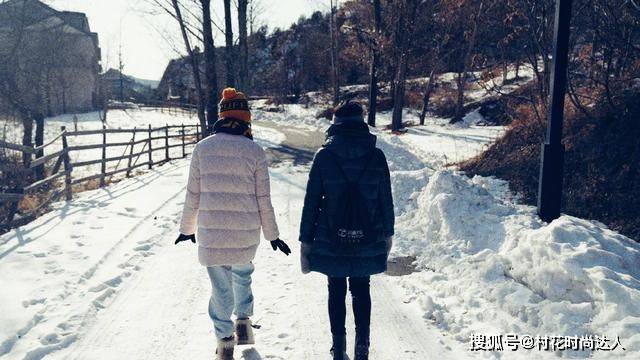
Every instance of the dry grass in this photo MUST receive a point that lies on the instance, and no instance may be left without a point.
(602, 162)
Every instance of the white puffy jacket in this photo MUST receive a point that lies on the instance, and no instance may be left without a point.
(228, 200)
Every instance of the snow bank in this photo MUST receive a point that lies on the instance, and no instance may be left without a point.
(491, 266)
(472, 118)
(295, 115)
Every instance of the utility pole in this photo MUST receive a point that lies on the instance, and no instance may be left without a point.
(552, 157)
(120, 70)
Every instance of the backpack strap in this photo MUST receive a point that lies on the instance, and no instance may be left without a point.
(344, 174)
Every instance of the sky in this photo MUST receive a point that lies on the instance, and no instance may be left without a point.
(145, 34)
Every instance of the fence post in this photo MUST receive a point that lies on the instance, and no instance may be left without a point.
(184, 154)
(103, 165)
(133, 141)
(166, 142)
(67, 165)
(150, 150)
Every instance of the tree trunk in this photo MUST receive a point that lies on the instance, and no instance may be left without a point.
(373, 72)
(27, 139)
(244, 79)
(398, 96)
(462, 76)
(211, 76)
(405, 26)
(427, 94)
(195, 68)
(460, 84)
(505, 66)
(334, 55)
(228, 36)
(39, 119)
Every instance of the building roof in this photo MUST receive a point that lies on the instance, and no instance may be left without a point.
(37, 16)
(27, 13)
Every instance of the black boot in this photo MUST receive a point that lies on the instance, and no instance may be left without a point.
(339, 348)
(362, 345)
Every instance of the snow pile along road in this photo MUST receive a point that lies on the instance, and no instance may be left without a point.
(492, 267)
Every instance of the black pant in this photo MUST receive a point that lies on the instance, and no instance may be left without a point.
(359, 287)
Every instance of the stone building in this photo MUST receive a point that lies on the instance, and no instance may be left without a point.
(58, 53)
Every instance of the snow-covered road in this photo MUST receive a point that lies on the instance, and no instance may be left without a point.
(160, 311)
(115, 286)
(141, 297)
(99, 277)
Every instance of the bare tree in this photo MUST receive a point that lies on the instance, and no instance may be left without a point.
(32, 61)
(441, 31)
(256, 7)
(195, 65)
(373, 72)
(243, 79)
(211, 76)
(334, 52)
(121, 70)
(228, 32)
(468, 58)
(405, 25)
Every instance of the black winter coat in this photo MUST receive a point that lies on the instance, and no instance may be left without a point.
(350, 145)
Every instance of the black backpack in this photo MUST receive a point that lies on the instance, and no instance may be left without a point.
(353, 226)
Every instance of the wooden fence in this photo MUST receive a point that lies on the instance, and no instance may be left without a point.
(169, 107)
(182, 136)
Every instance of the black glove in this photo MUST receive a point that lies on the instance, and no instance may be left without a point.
(279, 244)
(184, 237)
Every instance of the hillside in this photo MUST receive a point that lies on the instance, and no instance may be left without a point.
(602, 162)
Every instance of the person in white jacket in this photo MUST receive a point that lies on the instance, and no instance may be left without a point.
(228, 201)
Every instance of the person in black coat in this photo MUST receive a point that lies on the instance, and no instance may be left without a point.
(349, 155)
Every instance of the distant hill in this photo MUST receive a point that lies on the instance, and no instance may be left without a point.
(149, 83)
(133, 88)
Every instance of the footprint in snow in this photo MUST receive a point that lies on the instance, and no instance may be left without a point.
(52, 267)
(32, 302)
(98, 288)
(49, 339)
(145, 247)
(54, 250)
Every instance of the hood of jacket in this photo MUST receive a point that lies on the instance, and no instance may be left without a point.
(350, 140)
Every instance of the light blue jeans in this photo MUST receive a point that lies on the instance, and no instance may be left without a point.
(231, 293)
